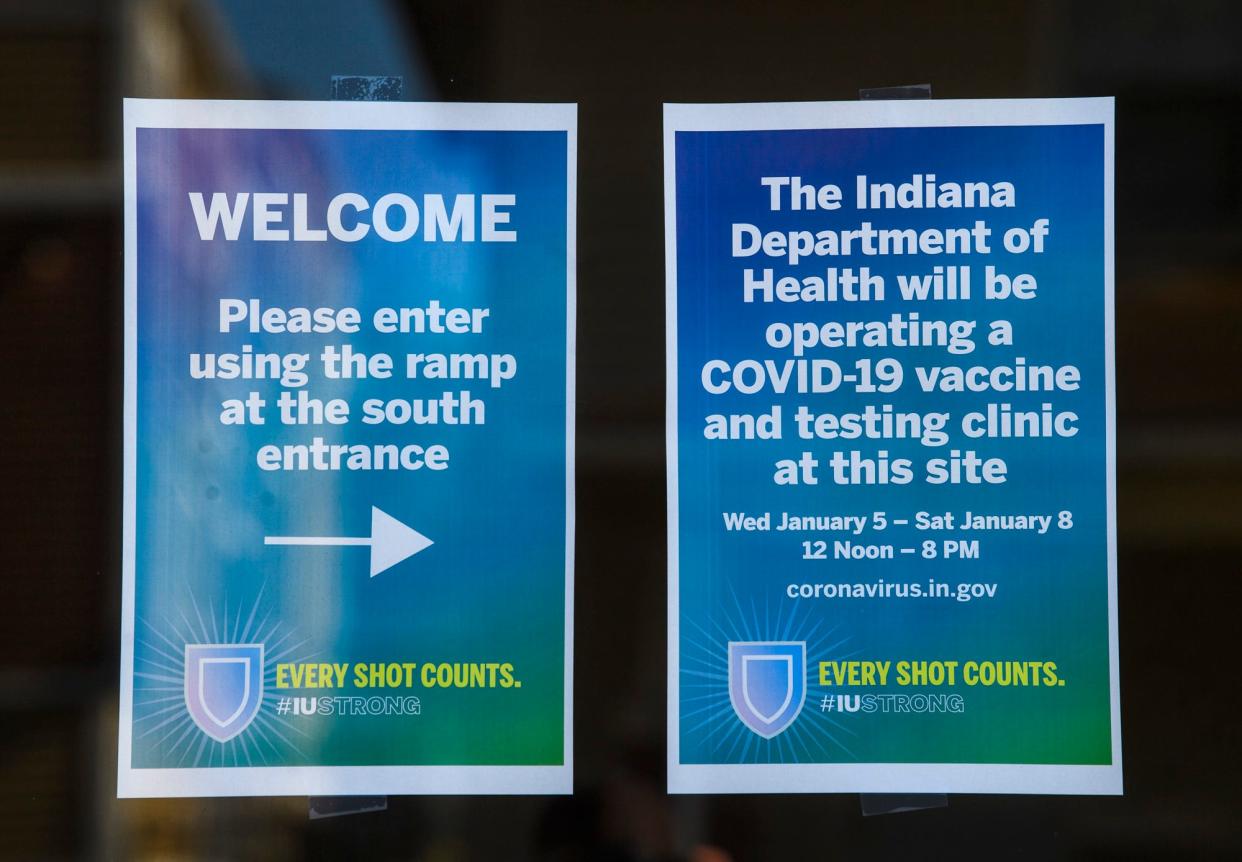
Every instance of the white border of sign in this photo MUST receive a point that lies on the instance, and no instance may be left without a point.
(883, 777)
(338, 780)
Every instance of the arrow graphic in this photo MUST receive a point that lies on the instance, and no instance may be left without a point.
(391, 541)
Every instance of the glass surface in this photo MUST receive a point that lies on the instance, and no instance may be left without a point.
(1176, 70)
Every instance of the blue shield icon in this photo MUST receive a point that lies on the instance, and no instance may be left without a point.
(767, 683)
(223, 687)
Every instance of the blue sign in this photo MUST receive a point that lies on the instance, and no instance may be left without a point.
(348, 448)
(892, 550)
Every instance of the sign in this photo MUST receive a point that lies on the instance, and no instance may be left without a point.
(349, 366)
(892, 553)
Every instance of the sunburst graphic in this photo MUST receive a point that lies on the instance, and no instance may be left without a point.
(161, 720)
(706, 712)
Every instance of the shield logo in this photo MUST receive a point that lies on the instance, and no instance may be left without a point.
(767, 683)
(223, 687)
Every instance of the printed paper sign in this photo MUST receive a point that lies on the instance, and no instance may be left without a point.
(349, 369)
(892, 559)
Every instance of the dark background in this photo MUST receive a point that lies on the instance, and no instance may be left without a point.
(1176, 70)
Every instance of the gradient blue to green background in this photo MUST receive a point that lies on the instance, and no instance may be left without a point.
(1052, 601)
(492, 587)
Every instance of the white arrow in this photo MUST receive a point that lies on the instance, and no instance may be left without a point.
(391, 541)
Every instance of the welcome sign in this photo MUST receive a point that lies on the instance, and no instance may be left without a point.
(349, 369)
(892, 553)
